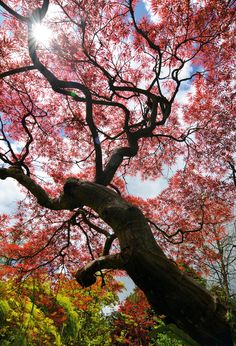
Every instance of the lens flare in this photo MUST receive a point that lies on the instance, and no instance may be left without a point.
(42, 34)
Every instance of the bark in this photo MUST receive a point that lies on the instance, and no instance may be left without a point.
(169, 291)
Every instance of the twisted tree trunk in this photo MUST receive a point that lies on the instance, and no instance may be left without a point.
(169, 291)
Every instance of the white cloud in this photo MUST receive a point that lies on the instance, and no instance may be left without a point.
(145, 188)
(10, 193)
(151, 188)
(184, 93)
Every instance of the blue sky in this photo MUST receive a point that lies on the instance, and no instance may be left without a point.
(140, 11)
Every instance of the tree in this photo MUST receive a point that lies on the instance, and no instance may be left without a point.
(222, 269)
(102, 98)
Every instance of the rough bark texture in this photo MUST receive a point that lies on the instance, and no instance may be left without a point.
(168, 290)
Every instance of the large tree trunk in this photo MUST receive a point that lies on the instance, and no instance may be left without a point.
(169, 291)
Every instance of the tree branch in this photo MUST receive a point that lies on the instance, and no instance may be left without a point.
(93, 226)
(42, 197)
(17, 70)
(108, 244)
(14, 13)
(39, 12)
(86, 275)
(233, 171)
(59, 86)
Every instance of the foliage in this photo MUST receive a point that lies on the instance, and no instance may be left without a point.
(108, 94)
(136, 324)
(22, 321)
(34, 312)
(48, 133)
(47, 313)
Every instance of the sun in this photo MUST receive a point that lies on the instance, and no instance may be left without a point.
(41, 33)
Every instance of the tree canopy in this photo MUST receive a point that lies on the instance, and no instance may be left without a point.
(93, 92)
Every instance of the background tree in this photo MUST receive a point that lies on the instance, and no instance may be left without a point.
(100, 98)
(222, 264)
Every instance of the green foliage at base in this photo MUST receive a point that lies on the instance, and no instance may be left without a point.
(35, 313)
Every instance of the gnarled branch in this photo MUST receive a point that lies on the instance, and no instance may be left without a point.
(42, 197)
(86, 275)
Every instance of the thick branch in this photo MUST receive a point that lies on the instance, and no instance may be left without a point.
(17, 70)
(14, 13)
(43, 10)
(115, 161)
(108, 244)
(169, 291)
(86, 276)
(39, 12)
(42, 197)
